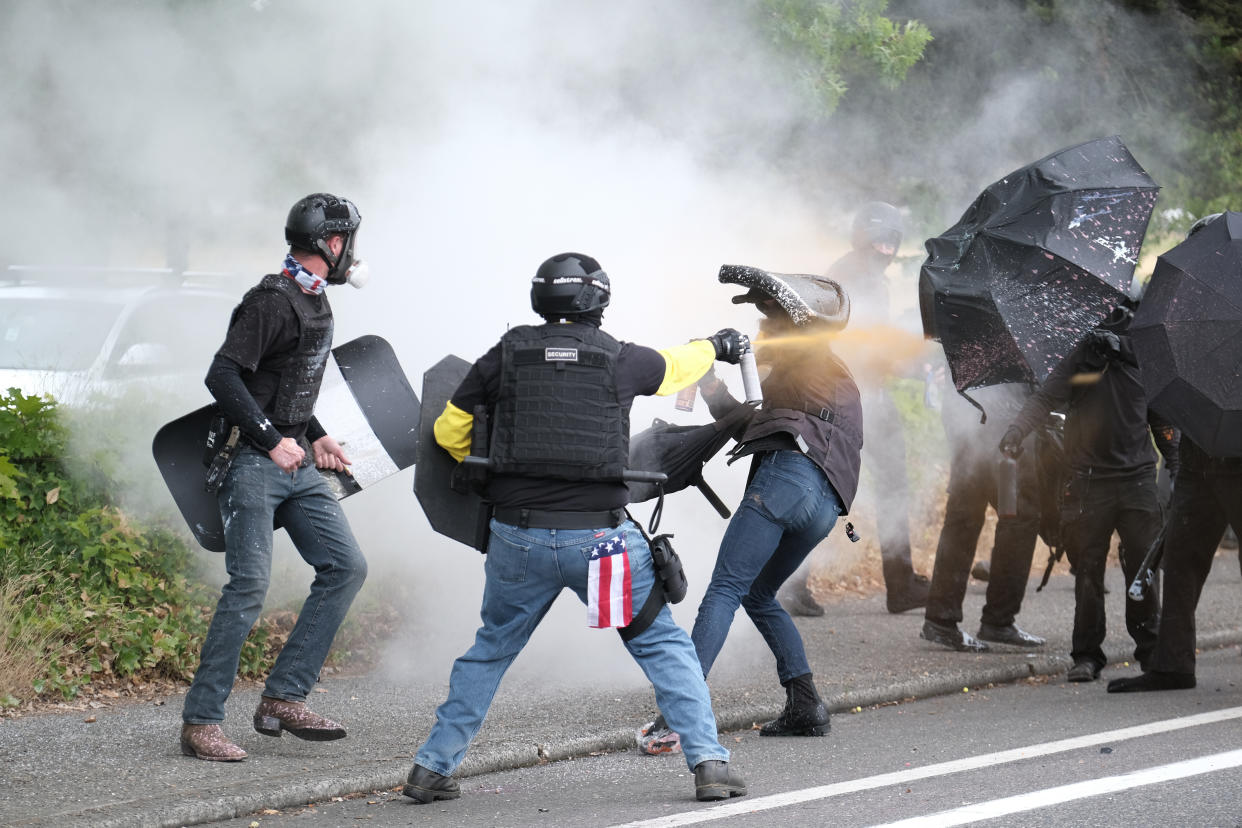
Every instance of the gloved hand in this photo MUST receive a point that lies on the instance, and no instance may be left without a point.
(1011, 443)
(1104, 343)
(729, 345)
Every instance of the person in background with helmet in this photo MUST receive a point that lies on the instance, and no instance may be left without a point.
(805, 443)
(1108, 447)
(875, 238)
(558, 398)
(1207, 499)
(265, 379)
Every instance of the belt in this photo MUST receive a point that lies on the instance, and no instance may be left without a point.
(537, 519)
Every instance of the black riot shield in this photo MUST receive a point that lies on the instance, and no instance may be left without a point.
(455, 512)
(365, 403)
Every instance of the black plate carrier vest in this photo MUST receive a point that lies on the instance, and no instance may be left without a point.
(302, 374)
(557, 414)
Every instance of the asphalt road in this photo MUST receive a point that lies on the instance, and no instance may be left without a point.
(994, 756)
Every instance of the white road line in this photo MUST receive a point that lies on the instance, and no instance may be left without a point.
(1067, 793)
(747, 805)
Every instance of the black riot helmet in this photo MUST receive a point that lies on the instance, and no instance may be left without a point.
(569, 284)
(1203, 222)
(317, 217)
(876, 223)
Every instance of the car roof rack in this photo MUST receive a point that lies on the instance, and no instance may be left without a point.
(165, 277)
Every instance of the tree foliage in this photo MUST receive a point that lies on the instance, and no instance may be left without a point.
(832, 42)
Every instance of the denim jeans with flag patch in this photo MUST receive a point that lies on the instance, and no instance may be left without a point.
(526, 569)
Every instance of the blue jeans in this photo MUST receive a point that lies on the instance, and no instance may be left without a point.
(787, 509)
(526, 569)
(255, 491)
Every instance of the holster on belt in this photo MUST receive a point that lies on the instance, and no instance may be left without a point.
(669, 587)
(221, 448)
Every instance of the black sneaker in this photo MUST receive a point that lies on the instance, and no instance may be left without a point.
(714, 779)
(949, 635)
(424, 786)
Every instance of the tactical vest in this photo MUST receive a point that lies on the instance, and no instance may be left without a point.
(557, 414)
(811, 394)
(302, 373)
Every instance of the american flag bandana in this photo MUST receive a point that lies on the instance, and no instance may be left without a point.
(306, 280)
(608, 584)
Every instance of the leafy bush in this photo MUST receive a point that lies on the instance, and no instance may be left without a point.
(92, 592)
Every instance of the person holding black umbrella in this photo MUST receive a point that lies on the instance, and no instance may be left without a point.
(1108, 447)
(1196, 291)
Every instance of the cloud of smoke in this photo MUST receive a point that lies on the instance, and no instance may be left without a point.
(663, 139)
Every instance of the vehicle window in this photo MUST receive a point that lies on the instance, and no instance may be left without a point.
(53, 334)
(171, 333)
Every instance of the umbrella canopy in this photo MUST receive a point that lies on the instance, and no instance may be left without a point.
(1187, 336)
(1038, 260)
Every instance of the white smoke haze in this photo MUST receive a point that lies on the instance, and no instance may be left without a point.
(477, 140)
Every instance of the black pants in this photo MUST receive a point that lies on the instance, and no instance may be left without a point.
(1092, 509)
(972, 488)
(1204, 503)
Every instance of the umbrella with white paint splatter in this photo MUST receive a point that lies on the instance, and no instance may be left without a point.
(1041, 258)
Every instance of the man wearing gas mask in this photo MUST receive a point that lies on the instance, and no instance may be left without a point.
(557, 397)
(1108, 446)
(804, 443)
(266, 379)
(875, 237)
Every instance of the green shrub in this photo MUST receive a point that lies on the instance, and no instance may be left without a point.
(99, 593)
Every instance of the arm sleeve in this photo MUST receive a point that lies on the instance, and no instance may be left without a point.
(1167, 439)
(314, 430)
(685, 364)
(225, 384)
(716, 394)
(453, 431)
(1054, 393)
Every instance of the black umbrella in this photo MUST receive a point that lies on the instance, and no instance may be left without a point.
(681, 452)
(1187, 335)
(1037, 261)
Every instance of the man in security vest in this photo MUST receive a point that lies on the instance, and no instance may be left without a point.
(265, 379)
(558, 397)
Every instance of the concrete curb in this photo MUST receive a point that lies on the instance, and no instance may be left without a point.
(223, 803)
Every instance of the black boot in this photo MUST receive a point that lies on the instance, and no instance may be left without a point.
(805, 713)
(906, 589)
(714, 780)
(424, 786)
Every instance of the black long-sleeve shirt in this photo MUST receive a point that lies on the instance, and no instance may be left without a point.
(1107, 421)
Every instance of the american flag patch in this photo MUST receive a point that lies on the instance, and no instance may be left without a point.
(608, 584)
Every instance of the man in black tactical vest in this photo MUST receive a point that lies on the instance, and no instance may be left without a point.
(558, 398)
(265, 379)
